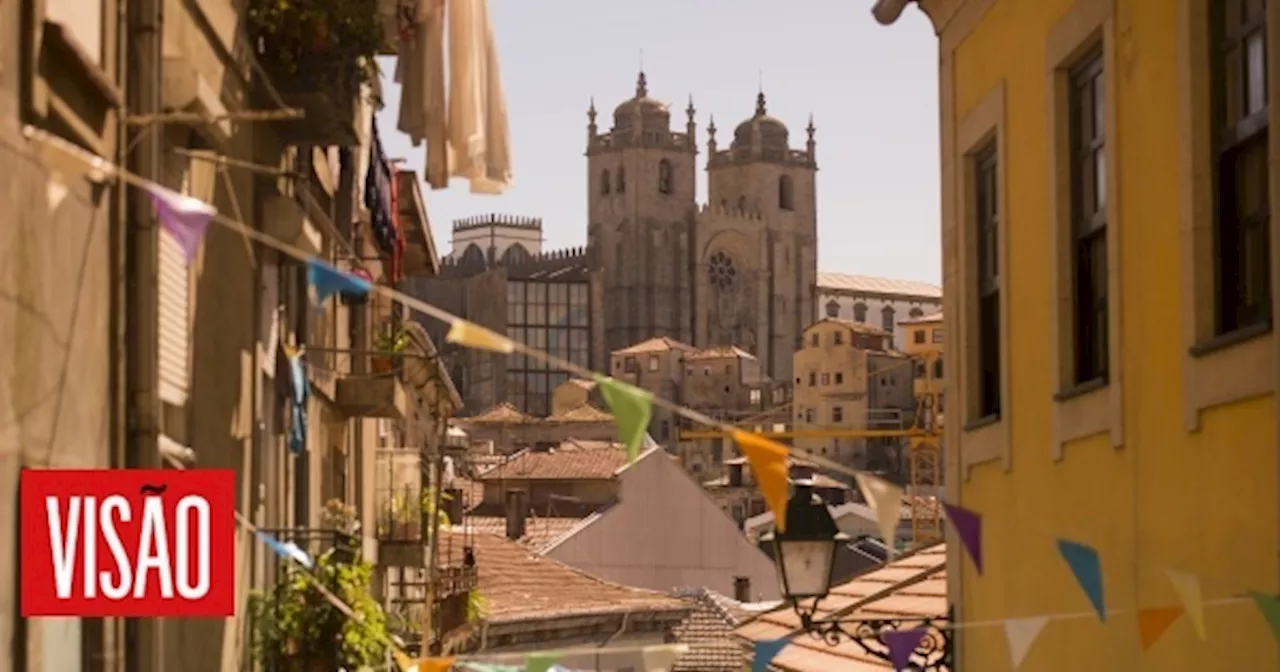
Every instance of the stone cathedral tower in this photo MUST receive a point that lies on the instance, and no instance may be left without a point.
(739, 270)
(640, 207)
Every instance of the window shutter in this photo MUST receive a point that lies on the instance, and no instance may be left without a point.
(174, 295)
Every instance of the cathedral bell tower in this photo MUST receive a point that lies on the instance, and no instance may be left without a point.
(641, 206)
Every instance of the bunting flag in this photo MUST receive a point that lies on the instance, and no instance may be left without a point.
(768, 461)
(660, 657)
(184, 218)
(433, 665)
(55, 192)
(1021, 633)
(969, 530)
(476, 337)
(403, 662)
(765, 651)
(1153, 622)
(540, 662)
(1188, 588)
(632, 409)
(288, 550)
(326, 281)
(1270, 608)
(902, 643)
(1087, 568)
(885, 499)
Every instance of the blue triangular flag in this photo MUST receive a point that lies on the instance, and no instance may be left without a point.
(286, 549)
(1085, 564)
(328, 281)
(766, 651)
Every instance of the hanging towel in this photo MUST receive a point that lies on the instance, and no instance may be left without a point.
(377, 195)
(478, 131)
(298, 403)
(423, 102)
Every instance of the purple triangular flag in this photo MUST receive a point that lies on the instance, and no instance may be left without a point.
(902, 643)
(969, 529)
(185, 218)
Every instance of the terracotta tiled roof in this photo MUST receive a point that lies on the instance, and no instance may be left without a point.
(865, 284)
(574, 459)
(538, 532)
(916, 588)
(520, 585)
(708, 631)
(582, 413)
(719, 353)
(502, 413)
(472, 492)
(660, 344)
(924, 319)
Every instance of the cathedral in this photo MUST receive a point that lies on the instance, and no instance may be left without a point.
(739, 269)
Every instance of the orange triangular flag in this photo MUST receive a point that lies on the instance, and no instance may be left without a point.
(435, 664)
(1153, 622)
(768, 461)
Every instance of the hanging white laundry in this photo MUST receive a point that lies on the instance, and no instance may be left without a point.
(478, 131)
(420, 72)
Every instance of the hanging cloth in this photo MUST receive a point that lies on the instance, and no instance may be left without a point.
(377, 195)
(421, 75)
(397, 230)
(478, 131)
(297, 401)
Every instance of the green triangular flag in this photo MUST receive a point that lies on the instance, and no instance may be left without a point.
(540, 662)
(632, 409)
(1270, 608)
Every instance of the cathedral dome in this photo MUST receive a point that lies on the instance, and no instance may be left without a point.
(654, 114)
(773, 133)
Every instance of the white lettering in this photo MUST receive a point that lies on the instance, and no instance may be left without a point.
(90, 547)
(187, 505)
(153, 551)
(62, 543)
(110, 505)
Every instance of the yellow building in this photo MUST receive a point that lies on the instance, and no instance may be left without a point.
(923, 339)
(1108, 389)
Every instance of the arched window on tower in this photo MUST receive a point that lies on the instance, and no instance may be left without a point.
(886, 318)
(786, 195)
(622, 180)
(859, 312)
(664, 177)
(605, 182)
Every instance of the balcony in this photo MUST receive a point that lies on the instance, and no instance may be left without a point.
(318, 54)
(381, 393)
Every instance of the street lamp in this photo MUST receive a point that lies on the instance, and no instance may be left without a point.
(805, 553)
(806, 550)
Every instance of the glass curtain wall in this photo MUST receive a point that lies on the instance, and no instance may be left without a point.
(548, 316)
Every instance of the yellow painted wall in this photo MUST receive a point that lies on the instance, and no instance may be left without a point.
(1203, 502)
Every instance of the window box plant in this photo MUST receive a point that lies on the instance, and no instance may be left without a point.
(389, 346)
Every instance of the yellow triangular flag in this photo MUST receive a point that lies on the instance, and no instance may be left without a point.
(1188, 588)
(434, 664)
(1153, 622)
(768, 462)
(885, 499)
(464, 333)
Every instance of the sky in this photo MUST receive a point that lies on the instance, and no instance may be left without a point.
(872, 91)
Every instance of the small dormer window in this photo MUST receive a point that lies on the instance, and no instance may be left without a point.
(605, 183)
(664, 177)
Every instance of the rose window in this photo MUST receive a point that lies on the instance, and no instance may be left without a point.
(721, 272)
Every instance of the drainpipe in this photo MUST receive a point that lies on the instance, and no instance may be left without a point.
(145, 36)
(114, 638)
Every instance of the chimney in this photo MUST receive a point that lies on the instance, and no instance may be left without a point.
(454, 506)
(742, 589)
(517, 509)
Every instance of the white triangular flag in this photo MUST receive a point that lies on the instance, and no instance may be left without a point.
(885, 499)
(55, 191)
(660, 657)
(1022, 633)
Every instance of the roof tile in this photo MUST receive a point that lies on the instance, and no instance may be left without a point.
(865, 284)
(539, 532)
(574, 459)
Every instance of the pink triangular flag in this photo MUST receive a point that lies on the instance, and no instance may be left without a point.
(185, 218)
(902, 643)
(1022, 633)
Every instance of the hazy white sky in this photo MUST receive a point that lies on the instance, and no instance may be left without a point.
(872, 90)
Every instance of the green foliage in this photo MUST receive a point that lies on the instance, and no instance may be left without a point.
(317, 39)
(393, 341)
(477, 606)
(296, 622)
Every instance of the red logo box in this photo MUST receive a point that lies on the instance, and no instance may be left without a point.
(128, 542)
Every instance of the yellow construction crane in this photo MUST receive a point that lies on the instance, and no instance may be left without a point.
(923, 451)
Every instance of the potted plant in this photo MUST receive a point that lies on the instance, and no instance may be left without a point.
(389, 347)
(341, 518)
(317, 42)
(299, 630)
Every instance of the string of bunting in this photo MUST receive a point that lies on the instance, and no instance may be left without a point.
(187, 219)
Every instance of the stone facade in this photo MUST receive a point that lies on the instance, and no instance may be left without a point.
(738, 270)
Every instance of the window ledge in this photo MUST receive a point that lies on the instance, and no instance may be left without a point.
(1227, 369)
(984, 421)
(1231, 338)
(1081, 389)
(984, 440)
(1085, 410)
